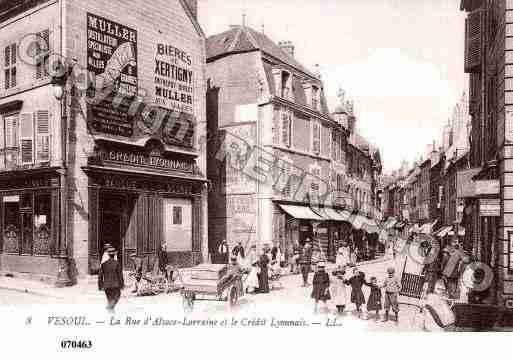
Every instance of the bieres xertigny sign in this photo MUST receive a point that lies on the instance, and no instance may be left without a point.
(173, 78)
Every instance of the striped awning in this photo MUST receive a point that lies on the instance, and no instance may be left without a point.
(442, 232)
(301, 212)
(390, 223)
(330, 214)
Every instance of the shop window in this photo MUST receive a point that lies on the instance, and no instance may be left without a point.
(11, 224)
(10, 78)
(42, 223)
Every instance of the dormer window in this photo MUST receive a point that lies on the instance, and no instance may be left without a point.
(315, 98)
(286, 84)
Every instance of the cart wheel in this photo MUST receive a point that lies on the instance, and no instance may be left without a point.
(188, 301)
(233, 296)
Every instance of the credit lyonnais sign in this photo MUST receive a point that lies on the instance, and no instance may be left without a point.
(145, 160)
(489, 207)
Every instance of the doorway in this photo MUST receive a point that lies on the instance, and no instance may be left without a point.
(112, 209)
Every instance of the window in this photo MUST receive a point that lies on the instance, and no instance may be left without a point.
(10, 66)
(286, 129)
(315, 97)
(285, 84)
(27, 139)
(27, 218)
(177, 215)
(316, 137)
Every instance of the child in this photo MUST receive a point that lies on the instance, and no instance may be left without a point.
(356, 282)
(321, 284)
(392, 287)
(374, 302)
(338, 288)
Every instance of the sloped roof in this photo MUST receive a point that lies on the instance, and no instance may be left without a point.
(10, 8)
(243, 39)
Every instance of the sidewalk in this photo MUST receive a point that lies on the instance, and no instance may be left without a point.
(34, 287)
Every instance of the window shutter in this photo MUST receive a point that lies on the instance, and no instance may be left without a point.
(473, 40)
(2, 143)
(27, 138)
(42, 136)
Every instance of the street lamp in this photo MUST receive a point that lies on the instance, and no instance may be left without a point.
(59, 83)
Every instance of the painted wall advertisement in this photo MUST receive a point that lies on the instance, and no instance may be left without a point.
(112, 59)
(173, 79)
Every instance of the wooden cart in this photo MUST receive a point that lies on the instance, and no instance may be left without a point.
(210, 282)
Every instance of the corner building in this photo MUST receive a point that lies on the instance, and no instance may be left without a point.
(115, 156)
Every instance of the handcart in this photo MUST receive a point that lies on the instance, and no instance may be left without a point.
(210, 282)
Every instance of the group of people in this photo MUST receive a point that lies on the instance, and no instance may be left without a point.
(333, 286)
(261, 267)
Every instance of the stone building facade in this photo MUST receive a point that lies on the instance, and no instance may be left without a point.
(293, 178)
(103, 108)
(489, 209)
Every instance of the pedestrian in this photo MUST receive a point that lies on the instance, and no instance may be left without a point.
(252, 281)
(339, 289)
(263, 275)
(356, 282)
(305, 261)
(321, 285)
(235, 271)
(238, 252)
(392, 286)
(138, 272)
(294, 258)
(163, 262)
(342, 258)
(223, 252)
(276, 258)
(110, 279)
(105, 255)
(374, 301)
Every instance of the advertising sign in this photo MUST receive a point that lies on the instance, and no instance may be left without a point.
(112, 59)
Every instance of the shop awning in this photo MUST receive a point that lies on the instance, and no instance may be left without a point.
(301, 212)
(414, 228)
(330, 214)
(371, 226)
(400, 225)
(427, 228)
(358, 221)
(442, 232)
(390, 223)
(345, 214)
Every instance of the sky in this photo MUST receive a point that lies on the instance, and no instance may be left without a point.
(400, 61)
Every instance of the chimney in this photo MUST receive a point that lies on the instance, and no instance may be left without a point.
(193, 7)
(287, 47)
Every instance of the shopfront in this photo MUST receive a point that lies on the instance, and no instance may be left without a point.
(137, 208)
(29, 207)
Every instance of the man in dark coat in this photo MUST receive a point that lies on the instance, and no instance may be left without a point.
(163, 261)
(110, 279)
(305, 261)
(263, 276)
(238, 249)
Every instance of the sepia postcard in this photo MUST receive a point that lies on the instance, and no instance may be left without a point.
(254, 170)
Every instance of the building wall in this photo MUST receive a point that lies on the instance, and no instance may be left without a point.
(174, 28)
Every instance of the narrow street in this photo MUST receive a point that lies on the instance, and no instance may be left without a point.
(281, 304)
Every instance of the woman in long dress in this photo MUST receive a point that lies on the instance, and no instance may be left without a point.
(339, 289)
(263, 276)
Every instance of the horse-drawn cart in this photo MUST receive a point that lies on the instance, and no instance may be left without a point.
(210, 282)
